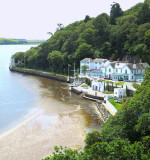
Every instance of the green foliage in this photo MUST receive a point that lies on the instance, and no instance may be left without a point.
(84, 50)
(84, 68)
(91, 138)
(117, 149)
(108, 92)
(115, 12)
(135, 85)
(12, 41)
(134, 10)
(143, 126)
(63, 154)
(127, 91)
(55, 58)
(88, 81)
(87, 18)
(144, 14)
(19, 56)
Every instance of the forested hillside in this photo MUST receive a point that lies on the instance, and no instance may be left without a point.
(112, 37)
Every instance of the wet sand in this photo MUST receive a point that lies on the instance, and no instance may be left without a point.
(36, 138)
(62, 121)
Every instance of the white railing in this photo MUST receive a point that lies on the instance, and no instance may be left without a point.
(111, 106)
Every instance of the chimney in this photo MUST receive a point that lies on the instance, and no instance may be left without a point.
(140, 60)
(134, 65)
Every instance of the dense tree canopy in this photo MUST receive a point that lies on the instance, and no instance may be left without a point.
(112, 37)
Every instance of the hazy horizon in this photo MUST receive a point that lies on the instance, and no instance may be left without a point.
(31, 19)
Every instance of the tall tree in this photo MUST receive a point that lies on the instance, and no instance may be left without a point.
(55, 59)
(83, 51)
(87, 18)
(115, 12)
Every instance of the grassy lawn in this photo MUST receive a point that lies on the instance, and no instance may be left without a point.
(116, 105)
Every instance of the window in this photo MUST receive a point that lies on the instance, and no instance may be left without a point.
(126, 71)
(99, 62)
(132, 77)
(95, 62)
(109, 70)
(116, 70)
(132, 71)
(121, 70)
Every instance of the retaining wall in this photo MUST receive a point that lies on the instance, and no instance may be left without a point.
(41, 74)
(104, 113)
(76, 91)
(94, 97)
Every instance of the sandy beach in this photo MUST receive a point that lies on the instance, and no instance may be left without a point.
(60, 119)
(35, 139)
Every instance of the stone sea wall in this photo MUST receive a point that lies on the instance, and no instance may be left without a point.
(41, 74)
(102, 112)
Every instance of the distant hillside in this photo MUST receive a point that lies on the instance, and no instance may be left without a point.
(112, 37)
(4, 41)
(11, 41)
(35, 41)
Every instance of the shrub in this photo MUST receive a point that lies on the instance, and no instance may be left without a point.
(135, 85)
(92, 138)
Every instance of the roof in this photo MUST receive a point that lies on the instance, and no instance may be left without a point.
(87, 60)
(99, 60)
(106, 64)
(93, 60)
(137, 65)
(120, 65)
(117, 64)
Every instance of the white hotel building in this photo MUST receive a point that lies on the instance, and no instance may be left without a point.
(114, 70)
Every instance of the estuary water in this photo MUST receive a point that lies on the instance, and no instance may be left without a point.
(43, 112)
(17, 101)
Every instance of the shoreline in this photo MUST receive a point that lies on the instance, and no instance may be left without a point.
(41, 74)
(31, 141)
(104, 110)
(21, 124)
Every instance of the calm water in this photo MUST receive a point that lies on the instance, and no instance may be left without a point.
(23, 96)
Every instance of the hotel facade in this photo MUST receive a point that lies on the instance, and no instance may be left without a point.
(113, 70)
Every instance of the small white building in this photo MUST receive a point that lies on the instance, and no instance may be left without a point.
(119, 92)
(97, 86)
